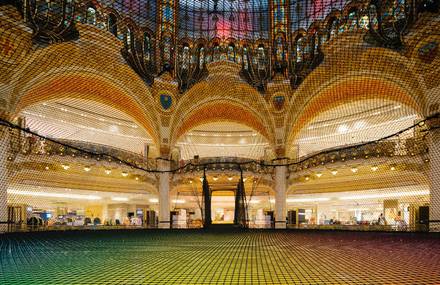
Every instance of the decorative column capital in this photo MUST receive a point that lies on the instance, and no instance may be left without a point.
(280, 151)
(6, 115)
(164, 151)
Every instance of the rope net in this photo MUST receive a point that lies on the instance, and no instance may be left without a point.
(333, 104)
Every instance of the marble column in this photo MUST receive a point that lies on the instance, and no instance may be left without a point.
(4, 153)
(164, 195)
(434, 156)
(280, 197)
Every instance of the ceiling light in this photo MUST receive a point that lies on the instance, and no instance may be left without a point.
(244, 179)
(393, 168)
(386, 195)
(254, 201)
(65, 166)
(108, 171)
(319, 174)
(359, 125)
(47, 168)
(334, 172)
(307, 178)
(215, 178)
(292, 200)
(271, 200)
(120, 199)
(354, 169)
(190, 181)
(178, 201)
(125, 174)
(154, 200)
(342, 129)
(230, 178)
(137, 178)
(374, 168)
(201, 179)
(55, 195)
(114, 129)
(87, 168)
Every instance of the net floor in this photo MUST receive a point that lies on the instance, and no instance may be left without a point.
(198, 257)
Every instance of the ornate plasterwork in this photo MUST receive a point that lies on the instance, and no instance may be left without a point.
(95, 62)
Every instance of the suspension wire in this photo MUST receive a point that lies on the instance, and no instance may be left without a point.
(239, 164)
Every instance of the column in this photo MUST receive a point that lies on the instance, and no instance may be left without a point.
(434, 156)
(4, 152)
(280, 197)
(164, 194)
(104, 214)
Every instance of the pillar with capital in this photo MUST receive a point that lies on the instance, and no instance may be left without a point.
(434, 157)
(280, 197)
(4, 153)
(164, 194)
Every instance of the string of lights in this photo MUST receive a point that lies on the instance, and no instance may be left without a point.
(237, 164)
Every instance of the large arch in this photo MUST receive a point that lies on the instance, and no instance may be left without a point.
(92, 69)
(346, 91)
(222, 97)
(89, 87)
(221, 111)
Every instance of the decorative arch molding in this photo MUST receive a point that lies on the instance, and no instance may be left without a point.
(236, 94)
(221, 111)
(89, 87)
(99, 56)
(366, 67)
(345, 91)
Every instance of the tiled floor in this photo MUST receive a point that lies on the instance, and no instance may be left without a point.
(197, 257)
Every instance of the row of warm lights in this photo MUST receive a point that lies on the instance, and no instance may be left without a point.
(361, 197)
(181, 201)
(112, 129)
(63, 195)
(344, 129)
(215, 178)
(353, 169)
(356, 120)
(324, 199)
(92, 117)
(222, 135)
(88, 169)
(175, 201)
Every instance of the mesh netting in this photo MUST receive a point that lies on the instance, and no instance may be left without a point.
(338, 94)
(312, 115)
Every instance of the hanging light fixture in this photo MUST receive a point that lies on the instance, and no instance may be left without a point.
(334, 172)
(125, 174)
(374, 168)
(318, 174)
(108, 171)
(354, 169)
(65, 166)
(87, 168)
